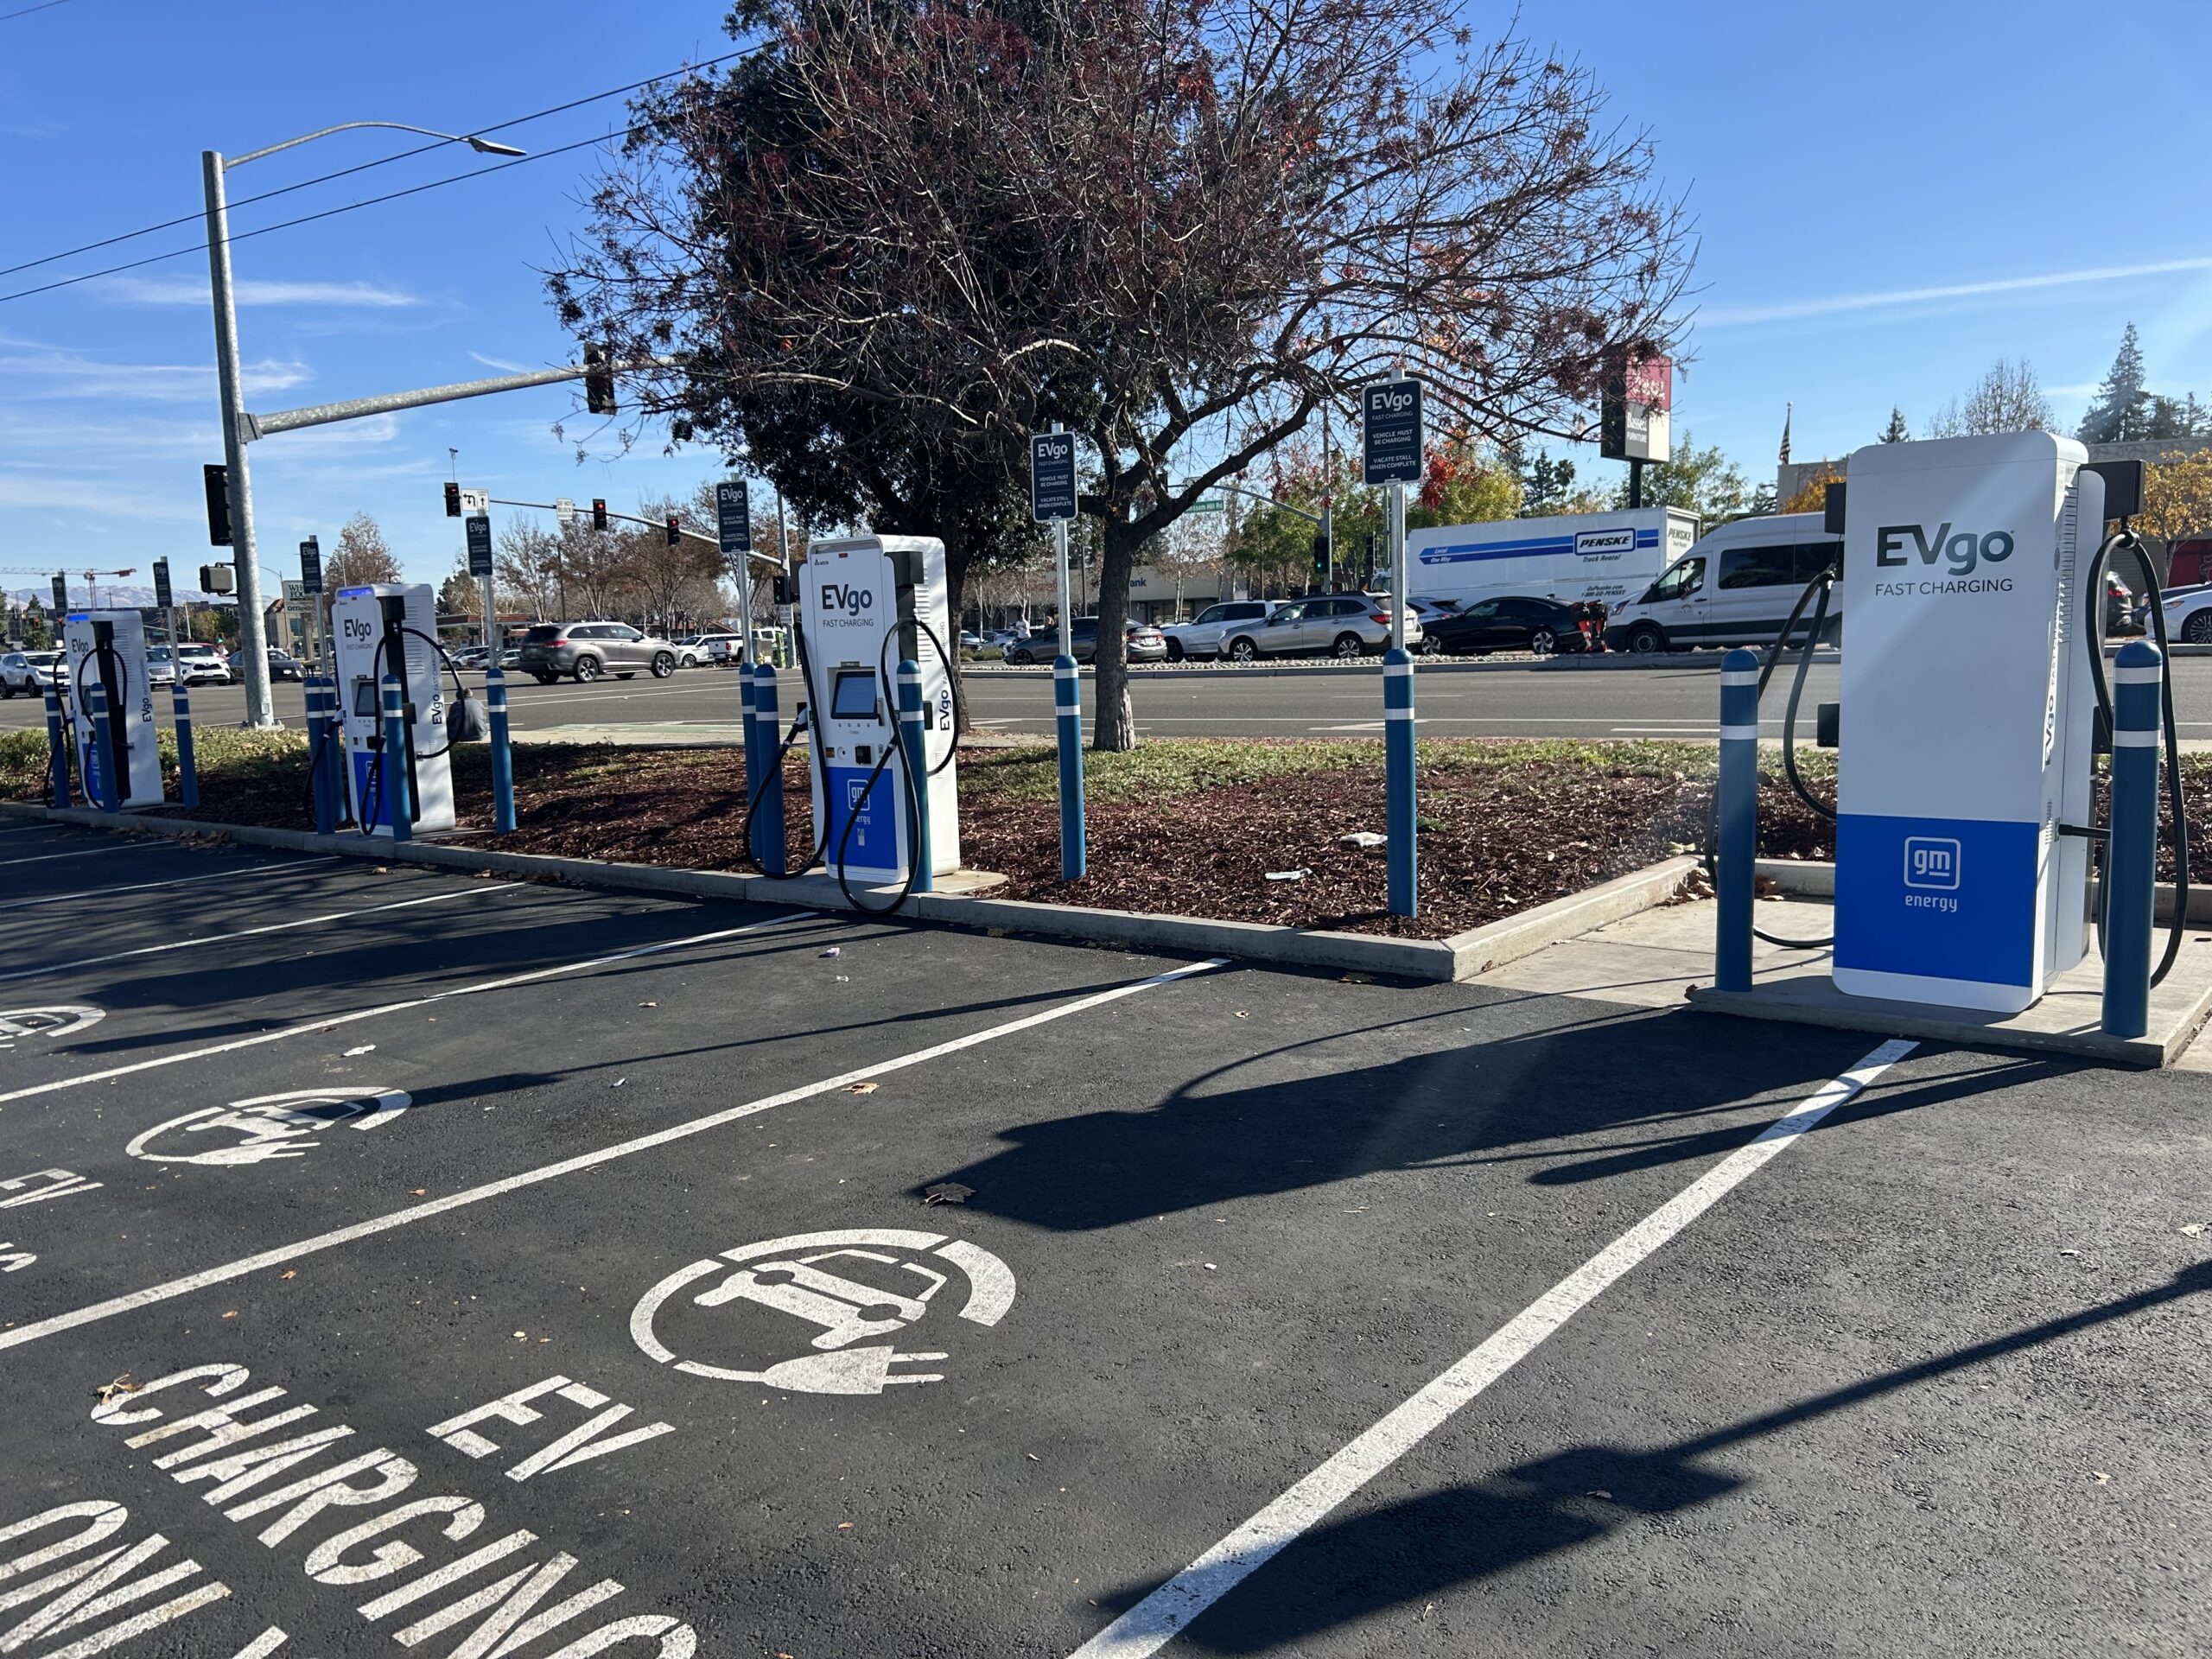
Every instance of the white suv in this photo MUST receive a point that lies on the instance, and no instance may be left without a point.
(1202, 636)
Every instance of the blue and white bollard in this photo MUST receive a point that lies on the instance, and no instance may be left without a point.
(503, 755)
(768, 822)
(1067, 709)
(1398, 781)
(747, 717)
(1740, 819)
(918, 769)
(101, 788)
(398, 802)
(2131, 857)
(188, 770)
(320, 735)
(57, 749)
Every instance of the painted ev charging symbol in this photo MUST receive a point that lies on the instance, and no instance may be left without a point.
(63, 1021)
(269, 1126)
(848, 1286)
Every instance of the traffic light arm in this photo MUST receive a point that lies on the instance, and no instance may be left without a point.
(633, 519)
(291, 420)
(1268, 501)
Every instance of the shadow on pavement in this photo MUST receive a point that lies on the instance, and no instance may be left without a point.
(1415, 1549)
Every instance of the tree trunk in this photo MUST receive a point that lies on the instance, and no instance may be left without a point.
(1115, 728)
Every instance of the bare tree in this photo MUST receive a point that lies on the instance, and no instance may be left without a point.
(916, 236)
(361, 555)
(2006, 399)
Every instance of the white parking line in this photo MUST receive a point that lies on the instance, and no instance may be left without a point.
(174, 881)
(238, 1269)
(328, 1020)
(1156, 1620)
(251, 933)
(80, 852)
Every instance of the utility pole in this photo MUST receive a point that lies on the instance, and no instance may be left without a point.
(1328, 509)
(251, 644)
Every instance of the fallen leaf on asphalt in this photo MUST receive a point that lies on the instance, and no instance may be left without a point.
(2069, 1252)
(123, 1384)
(619, 1081)
(381, 870)
(232, 1314)
(834, 950)
(365, 1048)
(649, 1005)
(418, 1190)
(2192, 1230)
(1243, 1013)
(2103, 1479)
(844, 1526)
(861, 1088)
(947, 1193)
(289, 1272)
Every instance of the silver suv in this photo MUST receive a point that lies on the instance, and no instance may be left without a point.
(1202, 636)
(588, 650)
(1339, 625)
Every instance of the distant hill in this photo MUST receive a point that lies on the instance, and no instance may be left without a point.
(117, 598)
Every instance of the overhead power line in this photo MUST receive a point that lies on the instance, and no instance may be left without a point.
(43, 5)
(343, 172)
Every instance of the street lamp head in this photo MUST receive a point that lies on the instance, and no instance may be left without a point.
(489, 147)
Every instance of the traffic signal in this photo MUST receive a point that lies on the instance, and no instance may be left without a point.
(599, 381)
(453, 500)
(675, 532)
(1321, 552)
(599, 512)
(217, 482)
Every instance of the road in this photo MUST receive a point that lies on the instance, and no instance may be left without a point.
(1676, 700)
(389, 1257)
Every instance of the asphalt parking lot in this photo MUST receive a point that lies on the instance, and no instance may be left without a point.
(389, 1257)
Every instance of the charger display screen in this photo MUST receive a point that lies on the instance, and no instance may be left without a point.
(366, 704)
(852, 694)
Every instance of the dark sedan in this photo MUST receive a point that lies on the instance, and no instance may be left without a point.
(1487, 625)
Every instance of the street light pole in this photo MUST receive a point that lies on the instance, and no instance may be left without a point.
(252, 641)
(252, 645)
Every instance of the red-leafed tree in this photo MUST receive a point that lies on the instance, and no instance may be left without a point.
(903, 236)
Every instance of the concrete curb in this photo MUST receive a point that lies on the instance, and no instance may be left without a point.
(1431, 960)
(1703, 661)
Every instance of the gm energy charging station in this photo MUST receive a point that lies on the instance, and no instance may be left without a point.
(867, 603)
(1967, 719)
(387, 628)
(112, 707)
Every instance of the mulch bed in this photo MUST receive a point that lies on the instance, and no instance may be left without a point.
(1493, 841)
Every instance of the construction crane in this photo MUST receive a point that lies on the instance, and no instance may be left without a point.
(92, 578)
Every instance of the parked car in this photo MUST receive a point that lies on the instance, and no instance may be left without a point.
(29, 672)
(470, 656)
(1145, 643)
(720, 650)
(282, 665)
(1433, 611)
(690, 651)
(159, 669)
(2189, 614)
(1343, 625)
(587, 650)
(1203, 634)
(969, 640)
(204, 664)
(1510, 624)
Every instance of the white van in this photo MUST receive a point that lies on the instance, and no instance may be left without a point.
(1733, 588)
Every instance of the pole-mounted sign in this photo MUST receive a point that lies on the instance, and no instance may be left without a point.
(1634, 410)
(60, 595)
(475, 500)
(311, 566)
(733, 519)
(1390, 432)
(162, 597)
(1052, 476)
(479, 527)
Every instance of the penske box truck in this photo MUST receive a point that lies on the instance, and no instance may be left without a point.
(1607, 556)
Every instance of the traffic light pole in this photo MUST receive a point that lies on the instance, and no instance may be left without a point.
(252, 643)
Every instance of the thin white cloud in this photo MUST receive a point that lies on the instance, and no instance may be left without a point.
(55, 373)
(501, 363)
(88, 499)
(193, 290)
(1721, 316)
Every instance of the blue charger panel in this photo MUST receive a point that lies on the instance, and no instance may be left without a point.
(1937, 898)
(875, 845)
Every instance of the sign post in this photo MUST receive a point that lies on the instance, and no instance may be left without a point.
(1635, 413)
(187, 773)
(1053, 501)
(1390, 453)
(478, 527)
(733, 530)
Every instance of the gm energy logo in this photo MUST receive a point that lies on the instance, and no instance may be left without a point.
(1931, 863)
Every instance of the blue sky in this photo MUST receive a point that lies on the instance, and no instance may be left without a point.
(1890, 198)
